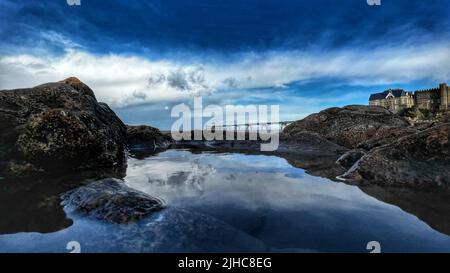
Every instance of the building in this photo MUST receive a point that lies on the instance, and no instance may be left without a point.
(398, 99)
(393, 99)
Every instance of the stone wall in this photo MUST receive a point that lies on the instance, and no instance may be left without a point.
(427, 99)
(445, 96)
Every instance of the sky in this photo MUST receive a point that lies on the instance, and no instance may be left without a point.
(144, 57)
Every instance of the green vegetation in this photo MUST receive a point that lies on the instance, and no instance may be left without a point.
(420, 114)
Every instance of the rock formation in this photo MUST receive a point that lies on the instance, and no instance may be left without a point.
(146, 137)
(110, 200)
(351, 157)
(347, 126)
(57, 127)
(419, 160)
(386, 150)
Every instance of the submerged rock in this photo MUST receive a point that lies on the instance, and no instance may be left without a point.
(347, 126)
(57, 127)
(418, 160)
(111, 200)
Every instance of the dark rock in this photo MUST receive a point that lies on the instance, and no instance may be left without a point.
(23, 170)
(348, 159)
(445, 118)
(302, 141)
(58, 127)
(111, 200)
(419, 160)
(347, 126)
(425, 125)
(320, 165)
(386, 135)
(147, 137)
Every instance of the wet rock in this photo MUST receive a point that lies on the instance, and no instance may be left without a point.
(23, 170)
(301, 141)
(348, 159)
(110, 200)
(194, 232)
(419, 160)
(147, 137)
(316, 164)
(57, 127)
(347, 126)
(304, 143)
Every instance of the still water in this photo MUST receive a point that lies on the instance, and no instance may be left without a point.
(231, 202)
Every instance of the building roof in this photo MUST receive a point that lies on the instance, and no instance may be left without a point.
(396, 92)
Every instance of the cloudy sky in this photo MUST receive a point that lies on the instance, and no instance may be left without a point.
(143, 57)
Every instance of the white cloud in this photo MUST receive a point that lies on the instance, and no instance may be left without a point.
(117, 80)
(127, 80)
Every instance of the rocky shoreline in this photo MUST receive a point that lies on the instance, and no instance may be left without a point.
(61, 128)
(384, 148)
(361, 145)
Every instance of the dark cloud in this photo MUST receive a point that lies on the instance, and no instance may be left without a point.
(187, 79)
(178, 80)
(170, 26)
(231, 82)
(155, 80)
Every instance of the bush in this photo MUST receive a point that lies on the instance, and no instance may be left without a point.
(409, 113)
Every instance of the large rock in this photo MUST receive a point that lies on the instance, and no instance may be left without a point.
(55, 127)
(110, 200)
(418, 160)
(348, 159)
(347, 126)
(79, 85)
(387, 135)
(144, 137)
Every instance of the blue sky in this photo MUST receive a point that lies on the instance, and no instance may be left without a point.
(143, 57)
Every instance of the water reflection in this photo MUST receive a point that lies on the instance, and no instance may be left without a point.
(284, 207)
(431, 206)
(33, 205)
(227, 202)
